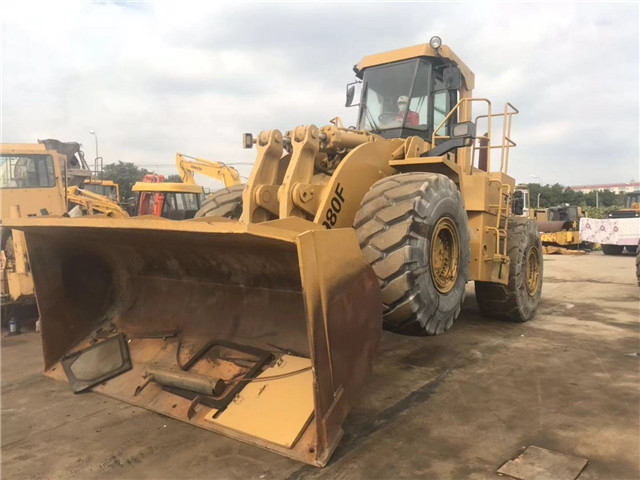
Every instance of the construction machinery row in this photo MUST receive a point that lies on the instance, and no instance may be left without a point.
(53, 178)
(566, 229)
(260, 319)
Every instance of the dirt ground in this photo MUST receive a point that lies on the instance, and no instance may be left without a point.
(455, 406)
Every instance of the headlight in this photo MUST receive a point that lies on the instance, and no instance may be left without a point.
(435, 42)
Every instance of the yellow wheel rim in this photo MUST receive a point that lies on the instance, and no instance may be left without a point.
(532, 270)
(445, 255)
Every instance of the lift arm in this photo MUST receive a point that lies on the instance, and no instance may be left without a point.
(94, 203)
(187, 166)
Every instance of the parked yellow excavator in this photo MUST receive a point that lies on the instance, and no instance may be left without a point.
(261, 319)
(90, 203)
(188, 166)
(225, 202)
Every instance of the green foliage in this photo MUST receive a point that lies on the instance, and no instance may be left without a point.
(553, 195)
(125, 174)
(597, 212)
(173, 179)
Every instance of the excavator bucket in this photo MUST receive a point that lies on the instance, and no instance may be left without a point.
(261, 332)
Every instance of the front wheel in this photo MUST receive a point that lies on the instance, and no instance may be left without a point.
(518, 300)
(413, 231)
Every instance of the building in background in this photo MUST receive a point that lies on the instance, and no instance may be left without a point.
(613, 187)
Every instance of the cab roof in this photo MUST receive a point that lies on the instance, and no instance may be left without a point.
(25, 148)
(416, 51)
(166, 187)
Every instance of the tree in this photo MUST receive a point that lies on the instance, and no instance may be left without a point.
(174, 178)
(553, 195)
(125, 174)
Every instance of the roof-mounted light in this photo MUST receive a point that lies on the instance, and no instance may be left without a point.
(435, 42)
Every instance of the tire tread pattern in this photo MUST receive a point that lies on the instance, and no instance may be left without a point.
(226, 202)
(512, 302)
(392, 233)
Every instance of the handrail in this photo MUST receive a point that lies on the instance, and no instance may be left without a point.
(453, 110)
(456, 107)
(506, 143)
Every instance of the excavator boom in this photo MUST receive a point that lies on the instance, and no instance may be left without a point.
(187, 166)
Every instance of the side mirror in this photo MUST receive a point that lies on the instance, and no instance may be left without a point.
(351, 91)
(452, 78)
(464, 130)
(518, 203)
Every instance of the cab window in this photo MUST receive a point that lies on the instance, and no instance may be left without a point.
(441, 106)
(27, 171)
(384, 86)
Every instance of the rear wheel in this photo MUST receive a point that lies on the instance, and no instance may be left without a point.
(412, 229)
(612, 249)
(631, 248)
(223, 203)
(518, 300)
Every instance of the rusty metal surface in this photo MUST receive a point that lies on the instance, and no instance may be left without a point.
(284, 283)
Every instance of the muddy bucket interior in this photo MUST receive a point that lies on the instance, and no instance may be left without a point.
(264, 333)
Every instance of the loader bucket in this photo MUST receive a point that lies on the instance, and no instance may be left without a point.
(293, 298)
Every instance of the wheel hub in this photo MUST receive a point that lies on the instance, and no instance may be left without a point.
(532, 271)
(445, 254)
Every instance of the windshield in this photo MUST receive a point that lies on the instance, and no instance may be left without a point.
(26, 171)
(178, 206)
(392, 99)
(106, 190)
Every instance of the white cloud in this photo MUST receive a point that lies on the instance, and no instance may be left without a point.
(156, 78)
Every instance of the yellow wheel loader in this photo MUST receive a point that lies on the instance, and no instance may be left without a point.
(261, 319)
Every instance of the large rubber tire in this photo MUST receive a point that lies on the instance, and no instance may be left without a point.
(516, 301)
(395, 227)
(612, 249)
(631, 248)
(223, 203)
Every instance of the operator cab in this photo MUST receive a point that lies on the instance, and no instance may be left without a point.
(106, 189)
(407, 97)
(632, 199)
(564, 213)
(175, 201)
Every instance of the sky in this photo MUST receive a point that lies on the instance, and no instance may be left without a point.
(156, 78)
